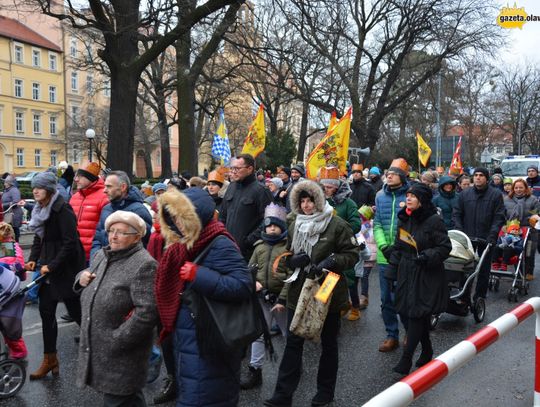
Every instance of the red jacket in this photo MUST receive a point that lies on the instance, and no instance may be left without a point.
(87, 204)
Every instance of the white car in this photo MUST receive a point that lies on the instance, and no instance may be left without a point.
(27, 176)
(515, 166)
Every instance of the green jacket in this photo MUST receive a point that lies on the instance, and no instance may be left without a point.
(338, 239)
(264, 256)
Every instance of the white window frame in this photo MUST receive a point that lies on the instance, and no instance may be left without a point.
(36, 123)
(36, 62)
(75, 116)
(37, 157)
(107, 88)
(54, 158)
(89, 83)
(19, 119)
(21, 93)
(53, 61)
(75, 82)
(52, 92)
(73, 47)
(36, 91)
(76, 154)
(20, 157)
(18, 46)
(53, 125)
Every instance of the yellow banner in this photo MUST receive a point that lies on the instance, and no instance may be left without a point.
(333, 148)
(406, 237)
(256, 138)
(327, 287)
(424, 152)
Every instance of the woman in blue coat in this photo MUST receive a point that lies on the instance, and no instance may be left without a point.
(188, 225)
(446, 199)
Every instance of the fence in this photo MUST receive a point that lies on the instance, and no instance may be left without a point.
(414, 385)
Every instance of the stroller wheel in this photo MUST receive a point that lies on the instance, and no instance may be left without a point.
(434, 320)
(12, 377)
(479, 309)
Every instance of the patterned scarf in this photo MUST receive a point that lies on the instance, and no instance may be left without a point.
(168, 284)
(40, 215)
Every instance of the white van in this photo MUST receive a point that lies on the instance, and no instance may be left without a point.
(515, 166)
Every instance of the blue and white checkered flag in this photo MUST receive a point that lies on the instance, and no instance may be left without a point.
(220, 147)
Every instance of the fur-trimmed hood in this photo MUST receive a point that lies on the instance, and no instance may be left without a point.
(177, 211)
(313, 189)
(343, 192)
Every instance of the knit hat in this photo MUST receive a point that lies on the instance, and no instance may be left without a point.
(10, 179)
(44, 180)
(275, 215)
(203, 203)
(159, 186)
(330, 176)
(430, 176)
(286, 170)
(507, 181)
(216, 177)
(357, 168)
(91, 171)
(422, 192)
(482, 170)
(400, 167)
(374, 170)
(532, 167)
(499, 176)
(300, 169)
(129, 218)
(277, 182)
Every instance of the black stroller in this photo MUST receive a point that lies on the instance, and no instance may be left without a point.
(462, 268)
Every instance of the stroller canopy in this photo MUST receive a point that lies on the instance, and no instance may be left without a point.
(461, 246)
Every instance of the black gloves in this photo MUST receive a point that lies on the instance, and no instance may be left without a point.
(421, 259)
(387, 251)
(329, 264)
(362, 246)
(298, 260)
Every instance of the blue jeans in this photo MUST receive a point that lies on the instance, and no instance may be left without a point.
(32, 294)
(389, 313)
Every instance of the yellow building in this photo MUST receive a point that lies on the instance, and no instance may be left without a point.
(32, 135)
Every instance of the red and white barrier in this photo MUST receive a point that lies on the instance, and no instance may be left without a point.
(411, 387)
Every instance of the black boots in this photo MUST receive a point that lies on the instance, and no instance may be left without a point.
(168, 392)
(253, 378)
(426, 355)
(404, 365)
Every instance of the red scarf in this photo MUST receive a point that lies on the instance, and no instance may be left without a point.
(168, 284)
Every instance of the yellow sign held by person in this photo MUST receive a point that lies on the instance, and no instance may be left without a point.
(424, 151)
(256, 139)
(327, 287)
(333, 150)
(406, 237)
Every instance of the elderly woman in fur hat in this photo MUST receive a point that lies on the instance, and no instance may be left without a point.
(206, 377)
(319, 241)
(118, 314)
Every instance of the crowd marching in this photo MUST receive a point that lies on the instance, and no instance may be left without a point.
(156, 273)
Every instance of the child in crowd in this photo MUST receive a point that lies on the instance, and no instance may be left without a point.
(510, 244)
(12, 268)
(269, 285)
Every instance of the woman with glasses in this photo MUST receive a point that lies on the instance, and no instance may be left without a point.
(58, 252)
(118, 314)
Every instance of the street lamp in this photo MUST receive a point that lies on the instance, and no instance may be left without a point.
(90, 134)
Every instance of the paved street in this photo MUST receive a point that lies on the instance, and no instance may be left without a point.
(501, 376)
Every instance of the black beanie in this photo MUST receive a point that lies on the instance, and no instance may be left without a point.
(483, 170)
(422, 192)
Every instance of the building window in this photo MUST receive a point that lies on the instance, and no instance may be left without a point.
(37, 157)
(52, 62)
(19, 54)
(158, 156)
(74, 81)
(20, 157)
(107, 88)
(52, 94)
(75, 111)
(36, 58)
(53, 158)
(52, 125)
(36, 120)
(1, 118)
(76, 154)
(89, 83)
(36, 91)
(73, 47)
(19, 122)
(18, 88)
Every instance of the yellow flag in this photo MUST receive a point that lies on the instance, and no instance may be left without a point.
(424, 152)
(333, 121)
(256, 138)
(333, 148)
(406, 237)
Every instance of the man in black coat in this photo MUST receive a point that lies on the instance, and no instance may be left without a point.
(363, 192)
(242, 209)
(480, 214)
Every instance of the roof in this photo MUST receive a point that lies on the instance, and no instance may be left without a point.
(13, 29)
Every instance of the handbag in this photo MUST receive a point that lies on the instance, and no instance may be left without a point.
(8, 216)
(310, 313)
(224, 326)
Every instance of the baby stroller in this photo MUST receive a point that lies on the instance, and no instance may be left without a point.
(462, 268)
(12, 371)
(515, 272)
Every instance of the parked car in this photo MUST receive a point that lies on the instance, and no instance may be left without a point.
(27, 176)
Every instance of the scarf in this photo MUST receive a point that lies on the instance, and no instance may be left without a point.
(273, 239)
(168, 285)
(40, 215)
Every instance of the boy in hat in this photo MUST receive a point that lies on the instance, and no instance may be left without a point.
(508, 245)
(269, 285)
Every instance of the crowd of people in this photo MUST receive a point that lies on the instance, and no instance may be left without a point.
(126, 261)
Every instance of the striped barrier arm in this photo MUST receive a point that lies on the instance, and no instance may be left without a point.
(414, 385)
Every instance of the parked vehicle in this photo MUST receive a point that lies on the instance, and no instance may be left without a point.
(515, 166)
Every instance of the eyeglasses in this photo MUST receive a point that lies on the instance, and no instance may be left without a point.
(113, 232)
(236, 169)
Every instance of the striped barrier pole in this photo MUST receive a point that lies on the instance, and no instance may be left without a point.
(414, 385)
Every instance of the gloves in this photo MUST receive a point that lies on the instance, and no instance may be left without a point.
(298, 260)
(387, 251)
(329, 264)
(188, 271)
(362, 246)
(421, 259)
